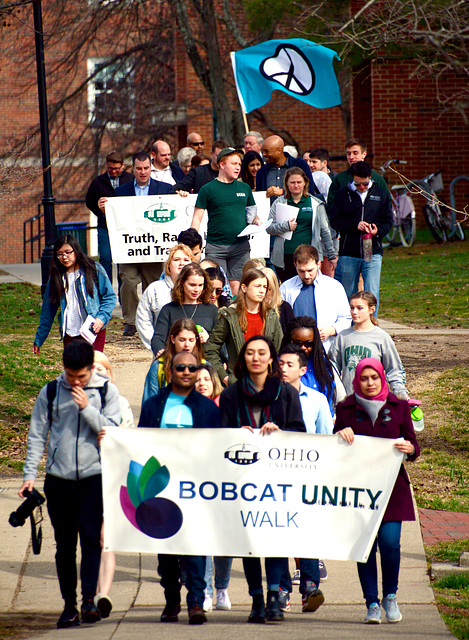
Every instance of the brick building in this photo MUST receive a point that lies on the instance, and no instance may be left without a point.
(398, 117)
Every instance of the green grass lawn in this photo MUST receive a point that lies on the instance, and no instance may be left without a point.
(427, 285)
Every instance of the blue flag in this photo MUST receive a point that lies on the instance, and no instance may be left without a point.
(298, 67)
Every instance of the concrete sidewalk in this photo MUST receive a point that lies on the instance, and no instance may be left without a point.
(28, 583)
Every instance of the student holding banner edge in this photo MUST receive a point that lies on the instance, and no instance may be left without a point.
(259, 400)
(373, 411)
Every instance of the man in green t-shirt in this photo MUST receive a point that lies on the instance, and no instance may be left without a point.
(230, 206)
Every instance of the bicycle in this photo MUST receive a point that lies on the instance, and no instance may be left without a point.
(403, 212)
(440, 219)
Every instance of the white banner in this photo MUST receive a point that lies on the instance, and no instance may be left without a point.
(228, 492)
(145, 228)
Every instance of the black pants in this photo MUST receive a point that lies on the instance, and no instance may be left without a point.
(289, 271)
(76, 508)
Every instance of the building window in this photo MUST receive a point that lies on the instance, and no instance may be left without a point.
(111, 96)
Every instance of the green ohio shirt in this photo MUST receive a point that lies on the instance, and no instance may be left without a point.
(303, 233)
(226, 204)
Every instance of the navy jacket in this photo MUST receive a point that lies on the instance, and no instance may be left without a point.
(205, 412)
(348, 210)
(261, 177)
(157, 188)
(101, 187)
(196, 178)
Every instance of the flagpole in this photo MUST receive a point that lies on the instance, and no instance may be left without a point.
(240, 97)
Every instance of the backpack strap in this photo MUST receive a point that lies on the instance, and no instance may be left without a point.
(102, 392)
(51, 393)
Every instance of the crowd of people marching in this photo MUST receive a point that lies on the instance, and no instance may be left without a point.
(236, 342)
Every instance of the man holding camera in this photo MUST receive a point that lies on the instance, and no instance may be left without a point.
(72, 410)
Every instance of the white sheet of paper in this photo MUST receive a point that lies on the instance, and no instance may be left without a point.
(254, 228)
(286, 212)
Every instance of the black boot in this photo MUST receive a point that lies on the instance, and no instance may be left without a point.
(257, 615)
(274, 614)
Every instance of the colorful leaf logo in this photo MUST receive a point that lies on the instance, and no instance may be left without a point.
(156, 517)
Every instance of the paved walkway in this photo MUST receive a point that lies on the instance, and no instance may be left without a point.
(443, 526)
(28, 583)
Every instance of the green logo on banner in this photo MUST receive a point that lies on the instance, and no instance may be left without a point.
(159, 213)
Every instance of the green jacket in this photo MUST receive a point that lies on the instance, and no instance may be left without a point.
(342, 179)
(228, 331)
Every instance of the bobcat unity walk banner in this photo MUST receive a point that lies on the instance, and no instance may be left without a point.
(229, 492)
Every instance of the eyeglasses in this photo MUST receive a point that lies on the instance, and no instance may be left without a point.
(217, 291)
(361, 184)
(198, 144)
(64, 254)
(303, 343)
(192, 368)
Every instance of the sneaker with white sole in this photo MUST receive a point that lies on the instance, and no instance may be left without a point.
(208, 604)
(283, 600)
(392, 610)
(103, 604)
(295, 579)
(374, 614)
(223, 600)
(322, 571)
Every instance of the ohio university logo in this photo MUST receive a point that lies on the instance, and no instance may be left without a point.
(155, 517)
(159, 213)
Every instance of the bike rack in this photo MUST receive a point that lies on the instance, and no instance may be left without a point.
(452, 186)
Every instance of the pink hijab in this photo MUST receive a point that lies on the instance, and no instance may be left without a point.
(378, 367)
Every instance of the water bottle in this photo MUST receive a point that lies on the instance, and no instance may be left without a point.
(367, 247)
(416, 414)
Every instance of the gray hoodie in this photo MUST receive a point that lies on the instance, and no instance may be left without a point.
(351, 346)
(73, 451)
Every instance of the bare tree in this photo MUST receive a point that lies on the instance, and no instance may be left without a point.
(433, 35)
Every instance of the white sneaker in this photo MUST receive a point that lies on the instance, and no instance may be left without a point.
(103, 604)
(208, 603)
(223, 600)
(296, 577)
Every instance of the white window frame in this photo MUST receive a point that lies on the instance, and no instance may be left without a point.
(93, 91)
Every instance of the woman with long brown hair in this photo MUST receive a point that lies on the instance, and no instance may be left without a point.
(249, 316)
(191, 298)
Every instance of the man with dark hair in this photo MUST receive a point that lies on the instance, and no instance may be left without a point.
(162, 168)
(104, 185)
(230, 206)
(198, 176)
(71, 411)
(313, 294)
(356, 152)
(361, 212)
(140, 272)
(179, 405)
(317, 416)
(192, 239)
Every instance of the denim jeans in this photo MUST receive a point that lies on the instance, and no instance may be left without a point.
(151, 387)
(104, 250)
(348, 272)
(170, 572)
(222, 573)
(388, 540)
(253, 573)
(309, 569)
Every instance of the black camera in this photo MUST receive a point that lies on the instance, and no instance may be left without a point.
(26, 510)
(33, 499)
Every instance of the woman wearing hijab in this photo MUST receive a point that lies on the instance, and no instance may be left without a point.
(372, 410)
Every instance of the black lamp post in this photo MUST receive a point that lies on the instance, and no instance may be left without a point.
(48, 199)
